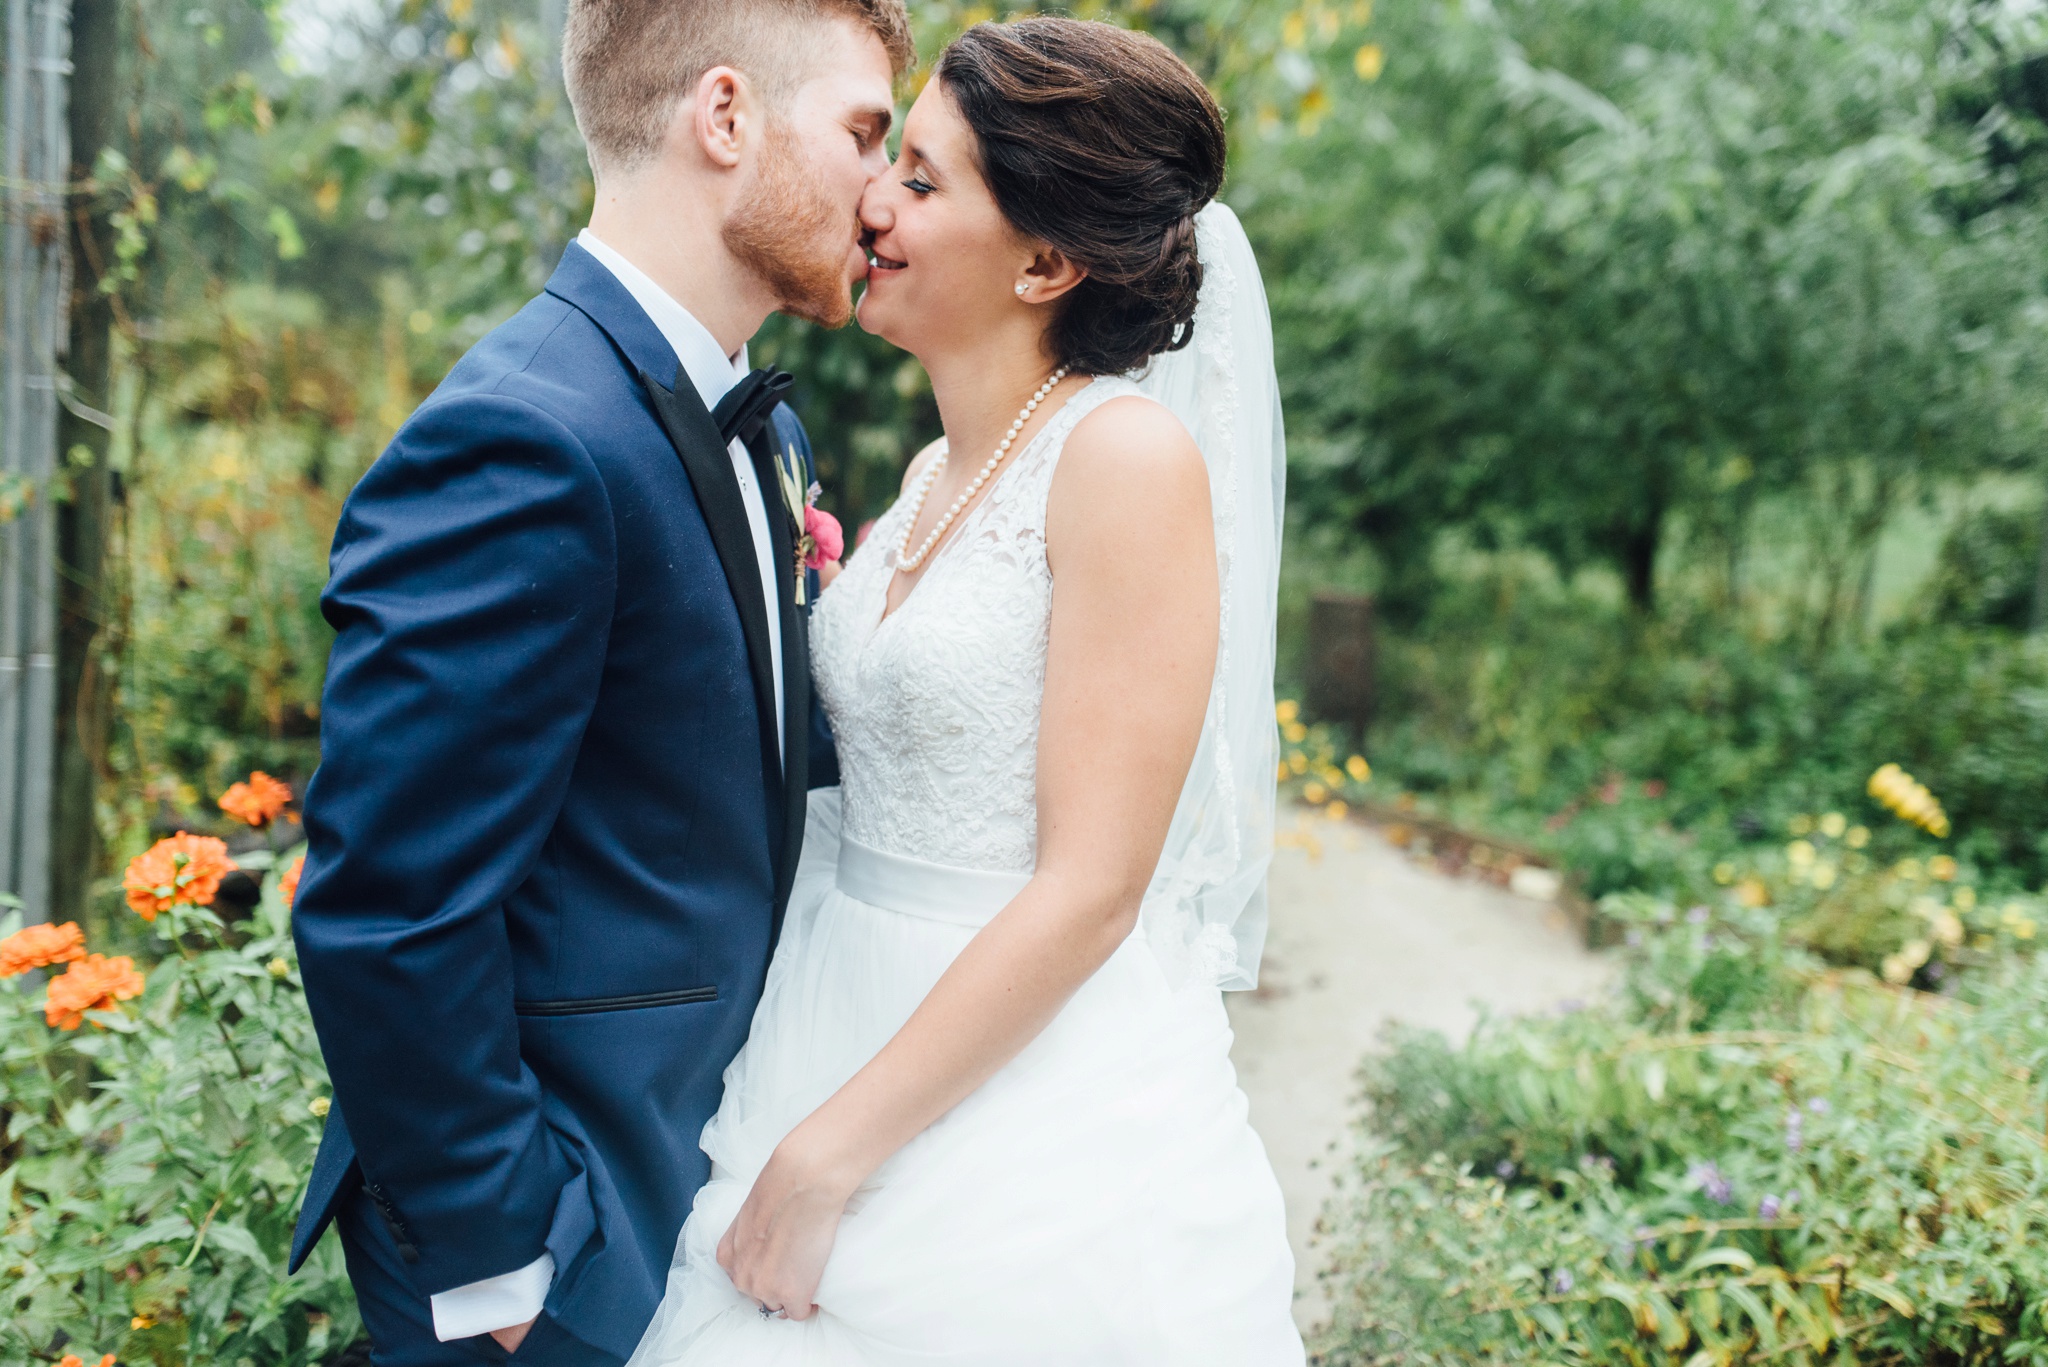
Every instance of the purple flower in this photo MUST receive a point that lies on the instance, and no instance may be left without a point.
(1503, 1170)
(1707, 1177)
(1819, 1105)
(1697, 916)
(1767, 1209)
(1707, 943)
(1561, 1281)
(1795, 1130)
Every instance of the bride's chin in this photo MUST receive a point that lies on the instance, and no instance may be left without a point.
(873, 320)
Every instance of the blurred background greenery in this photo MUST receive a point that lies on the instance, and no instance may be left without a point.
(1670, 372)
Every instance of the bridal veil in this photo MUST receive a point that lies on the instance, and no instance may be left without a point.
(1205, 911)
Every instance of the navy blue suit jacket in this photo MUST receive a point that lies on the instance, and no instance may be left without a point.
(550, 836)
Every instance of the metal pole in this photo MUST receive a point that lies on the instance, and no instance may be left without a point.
(33, 269)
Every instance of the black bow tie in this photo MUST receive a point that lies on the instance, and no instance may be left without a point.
(746, 406)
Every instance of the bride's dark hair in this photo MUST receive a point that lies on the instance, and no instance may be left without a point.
(1101, 143)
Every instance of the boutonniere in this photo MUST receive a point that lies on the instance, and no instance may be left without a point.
(819, 538)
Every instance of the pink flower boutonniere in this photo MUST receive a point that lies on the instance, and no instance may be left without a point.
(824, 540)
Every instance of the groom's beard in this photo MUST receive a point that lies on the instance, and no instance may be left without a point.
(792, 237)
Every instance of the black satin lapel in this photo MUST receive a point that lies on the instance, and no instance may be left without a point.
(796, 667)
(709, 465)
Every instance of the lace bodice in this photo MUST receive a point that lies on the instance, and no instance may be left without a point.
(935, 709)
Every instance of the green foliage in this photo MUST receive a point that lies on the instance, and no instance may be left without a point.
(1989, 566)
(153, 1159)
(1568, 277)
(1643, 752)
(1735, 1161)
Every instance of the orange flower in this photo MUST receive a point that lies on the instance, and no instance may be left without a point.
(93, 983)
(258, 801)
(288, 886)
(73, 1360)
(178, 869)
(40, 946)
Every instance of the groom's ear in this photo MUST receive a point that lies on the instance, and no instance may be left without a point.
(1051, 274)
(724, 116)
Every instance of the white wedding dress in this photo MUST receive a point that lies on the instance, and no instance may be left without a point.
(1102, 1200)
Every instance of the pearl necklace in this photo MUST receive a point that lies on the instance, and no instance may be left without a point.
(899, 557)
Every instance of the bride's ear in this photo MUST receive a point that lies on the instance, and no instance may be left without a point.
(1051, 274)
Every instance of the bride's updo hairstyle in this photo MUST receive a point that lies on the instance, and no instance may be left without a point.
(1101, 143)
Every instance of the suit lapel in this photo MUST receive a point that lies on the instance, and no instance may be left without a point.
(705, 458)
(796, 670)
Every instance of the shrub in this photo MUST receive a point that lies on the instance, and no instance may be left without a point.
(155, 1136)
(1740, 1159)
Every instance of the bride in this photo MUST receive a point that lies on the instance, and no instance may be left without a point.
(986, 1113)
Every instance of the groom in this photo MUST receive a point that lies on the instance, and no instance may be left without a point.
(567, 729)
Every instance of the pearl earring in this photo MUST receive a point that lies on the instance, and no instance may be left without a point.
(1021, 287)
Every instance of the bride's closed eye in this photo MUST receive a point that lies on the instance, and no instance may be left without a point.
(919, 186)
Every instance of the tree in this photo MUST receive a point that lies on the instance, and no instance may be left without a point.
(1570, 278)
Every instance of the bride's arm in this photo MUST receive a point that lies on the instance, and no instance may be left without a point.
(1128, 669)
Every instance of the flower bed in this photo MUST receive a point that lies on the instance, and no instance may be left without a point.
(156, 1127)
(1745, 1157)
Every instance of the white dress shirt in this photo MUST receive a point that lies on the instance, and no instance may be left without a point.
(516, 1297)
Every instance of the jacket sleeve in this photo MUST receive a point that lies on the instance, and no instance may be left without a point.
(472, 587)
(824, 766)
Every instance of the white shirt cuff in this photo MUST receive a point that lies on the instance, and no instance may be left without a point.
(493, 1303)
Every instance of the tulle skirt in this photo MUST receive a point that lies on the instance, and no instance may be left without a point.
(1101, 1201)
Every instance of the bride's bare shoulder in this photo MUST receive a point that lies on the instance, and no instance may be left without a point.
(920, 460)
(1128, 469)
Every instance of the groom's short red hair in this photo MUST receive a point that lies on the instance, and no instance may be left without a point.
(627, 62)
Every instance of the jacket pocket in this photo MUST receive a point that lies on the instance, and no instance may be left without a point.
(590, 1006)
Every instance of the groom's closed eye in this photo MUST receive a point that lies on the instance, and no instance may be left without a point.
(871, 128)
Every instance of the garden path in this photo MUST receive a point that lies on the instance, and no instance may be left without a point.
(1362, 935)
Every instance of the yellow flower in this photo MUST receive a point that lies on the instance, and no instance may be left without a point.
(142, 1322)
(1948, 929)
(1297, 763)
(1751, 892)
(2012, 913)
(1824, 874)
(278, 968)
(1295, 732)
(1358, 768)
(1337, 811)
(1294, 29)
(1857, 837)
(1331, 775)
(2023, 928)
(1314, 794)
(1942, 867)
(1896, 970)
(1800, 825)
(320, 1105)
(1369, 61)
(1833, 824)
(1909, 800)
(1800, 852)
(1964, 899)
(1287, 710)
(1724, 874)
(1909, 869)
(1285, 772)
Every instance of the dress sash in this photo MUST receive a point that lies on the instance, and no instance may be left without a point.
(937, 892)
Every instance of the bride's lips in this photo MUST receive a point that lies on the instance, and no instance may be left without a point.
(879, 265)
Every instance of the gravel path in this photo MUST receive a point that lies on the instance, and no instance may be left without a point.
(1362, 935)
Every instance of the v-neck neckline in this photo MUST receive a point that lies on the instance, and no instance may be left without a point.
(939, 551)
